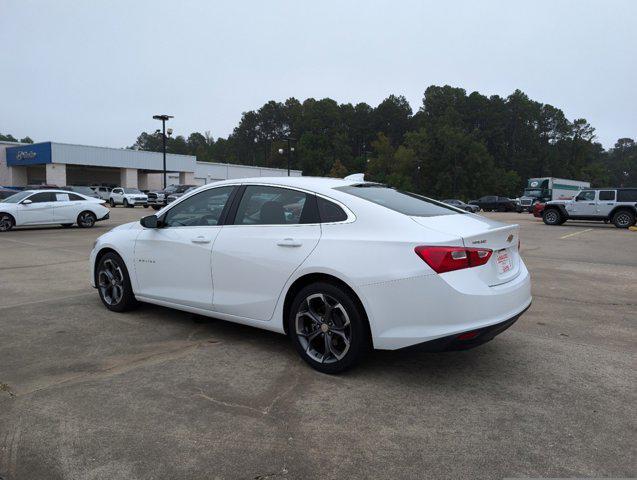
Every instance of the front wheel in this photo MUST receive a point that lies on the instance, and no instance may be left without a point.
(6, 222)
(624, 219)
(328, 328)
(113, 283)
(552, 217)
(111, 202)
(126, 205)
(156, 207)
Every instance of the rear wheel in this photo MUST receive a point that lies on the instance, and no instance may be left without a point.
(624, 219)
(552, 216)
(86, 219)
(327, 327)
(6, 222)
(113, 283)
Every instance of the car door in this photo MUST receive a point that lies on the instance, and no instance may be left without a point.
(64, 208)
(605, 202)
(173, 263)
(39, 209)
(273, 231)
(117, 194)
(583, 204)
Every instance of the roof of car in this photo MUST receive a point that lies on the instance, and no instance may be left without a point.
(318, 184)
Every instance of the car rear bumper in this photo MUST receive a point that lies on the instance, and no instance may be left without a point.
(420, 309)
(105, 217)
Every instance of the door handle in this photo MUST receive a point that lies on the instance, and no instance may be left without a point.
(200, 239)
(288, 242)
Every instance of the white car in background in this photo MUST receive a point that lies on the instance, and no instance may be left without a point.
(49, 207)
(128, 197)
(340, 266)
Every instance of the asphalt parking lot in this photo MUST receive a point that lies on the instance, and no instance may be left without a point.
(156, 393)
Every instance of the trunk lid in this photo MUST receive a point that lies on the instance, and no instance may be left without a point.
(480, 232)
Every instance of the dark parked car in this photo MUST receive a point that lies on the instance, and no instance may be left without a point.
(159, 199)
(6, 192)
(454, 202)
(174, 196)
(492, 203)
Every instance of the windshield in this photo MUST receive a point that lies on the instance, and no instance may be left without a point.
(132, 190)
(17, 197)
(403, 202)
(532, 192)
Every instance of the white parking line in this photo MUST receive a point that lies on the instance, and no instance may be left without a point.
(576, 233)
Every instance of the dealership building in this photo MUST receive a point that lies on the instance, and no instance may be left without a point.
(63, 164)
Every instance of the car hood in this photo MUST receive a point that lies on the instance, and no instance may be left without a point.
(128, 226)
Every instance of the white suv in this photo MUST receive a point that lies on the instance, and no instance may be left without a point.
(129, 197)
(617, 205)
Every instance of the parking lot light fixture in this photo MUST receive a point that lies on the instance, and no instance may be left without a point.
(163, 118)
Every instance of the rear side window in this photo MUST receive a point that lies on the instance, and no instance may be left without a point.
(330, 212)
(628, 195)
(607, 194)
(73, 196)
(264, 205)
(402, 202)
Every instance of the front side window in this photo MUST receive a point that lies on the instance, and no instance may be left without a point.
(586, 195)
(203, 209)
(117, 190)
(263, 205)
(402, 202)
(607, 195)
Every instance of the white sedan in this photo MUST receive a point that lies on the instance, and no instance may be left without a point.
(47, 207)
(340, 266)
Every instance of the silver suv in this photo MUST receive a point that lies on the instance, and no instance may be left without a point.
(617, 205)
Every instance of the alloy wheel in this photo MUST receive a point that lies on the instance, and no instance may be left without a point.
(86, 219)
(551, 216)
(323, 328)
(623, 220)
(110, 279)
(5, 223)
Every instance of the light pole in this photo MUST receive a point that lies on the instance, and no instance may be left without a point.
(290, 150)
(163, 119)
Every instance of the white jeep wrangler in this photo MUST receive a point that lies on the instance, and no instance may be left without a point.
(617, 205)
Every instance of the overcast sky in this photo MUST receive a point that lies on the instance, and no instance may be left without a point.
(95, 72)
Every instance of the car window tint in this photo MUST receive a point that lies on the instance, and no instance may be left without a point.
(42, 197)
(628, 195)
(203, 209)
(607, 195)
(262, 205)
(403, 202)
(73, 196)
(330, 212)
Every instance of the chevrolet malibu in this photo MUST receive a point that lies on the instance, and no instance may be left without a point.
(340, 266)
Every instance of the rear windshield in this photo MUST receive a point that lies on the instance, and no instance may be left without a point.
(17, 197)
(403, 202)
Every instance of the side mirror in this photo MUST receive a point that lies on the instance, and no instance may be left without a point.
(26, 202)
(151, 221)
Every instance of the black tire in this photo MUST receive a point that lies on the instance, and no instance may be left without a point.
(67, 225)
(7, 222)
(624, 219)
(344, 322)
(125, 203)
(156, 207)
(502, 208)
(111, 202)
(86, 219)
(552, 216)
(145, 205)
(117, 296)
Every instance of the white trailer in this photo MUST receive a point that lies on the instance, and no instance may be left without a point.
(546, 189)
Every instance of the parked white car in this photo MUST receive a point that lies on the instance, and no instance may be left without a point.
(103, 192)
(128, 197)
(338, 265)
(46, 207)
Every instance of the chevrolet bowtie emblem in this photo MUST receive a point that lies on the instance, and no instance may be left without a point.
(510, 238)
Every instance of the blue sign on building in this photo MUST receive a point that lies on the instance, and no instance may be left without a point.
(34, 154)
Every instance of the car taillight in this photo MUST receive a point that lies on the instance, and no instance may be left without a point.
(447, 259)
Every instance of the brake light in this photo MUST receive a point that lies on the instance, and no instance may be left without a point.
(448, 259)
